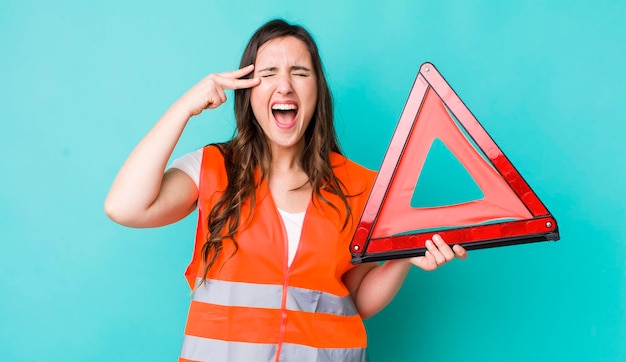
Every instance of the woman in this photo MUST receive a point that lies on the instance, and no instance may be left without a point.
(277, 204)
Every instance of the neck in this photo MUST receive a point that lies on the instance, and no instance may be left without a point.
(286, 159)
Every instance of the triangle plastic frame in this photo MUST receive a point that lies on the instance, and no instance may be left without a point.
(509, 213)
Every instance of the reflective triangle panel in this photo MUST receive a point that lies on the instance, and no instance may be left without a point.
(508, 212)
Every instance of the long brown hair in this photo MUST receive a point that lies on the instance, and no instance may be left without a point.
(250, 149)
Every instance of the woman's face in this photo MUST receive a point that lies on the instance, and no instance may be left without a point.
(285, 100)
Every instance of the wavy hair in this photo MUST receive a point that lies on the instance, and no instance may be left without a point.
(249, 148)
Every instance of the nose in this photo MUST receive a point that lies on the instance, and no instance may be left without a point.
(284, 84)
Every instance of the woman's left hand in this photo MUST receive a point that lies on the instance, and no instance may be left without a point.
(374, 285)
(437, 254)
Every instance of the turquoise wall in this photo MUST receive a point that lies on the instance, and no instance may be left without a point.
(82, 82)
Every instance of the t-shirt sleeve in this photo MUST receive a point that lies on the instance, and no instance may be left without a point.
(190, 164)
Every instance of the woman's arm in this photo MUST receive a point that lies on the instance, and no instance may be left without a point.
(374, 286)
(142, 195)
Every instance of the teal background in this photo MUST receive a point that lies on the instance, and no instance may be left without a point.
(81, 82)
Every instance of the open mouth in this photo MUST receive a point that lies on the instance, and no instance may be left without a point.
(285, 114)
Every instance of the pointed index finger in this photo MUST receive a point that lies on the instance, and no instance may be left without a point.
(241, 72)
(243, 83)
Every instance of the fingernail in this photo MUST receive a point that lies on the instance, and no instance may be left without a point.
(437, 236)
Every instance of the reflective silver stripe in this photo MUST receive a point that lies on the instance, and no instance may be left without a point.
(254, 295)
(237, 294)
(206, 349)
(296, 352)
(319, 302)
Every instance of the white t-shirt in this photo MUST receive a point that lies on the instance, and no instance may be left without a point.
(190, 164)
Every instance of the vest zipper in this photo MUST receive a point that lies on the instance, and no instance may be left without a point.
(283, 303)
(287, 271)
(283, 318)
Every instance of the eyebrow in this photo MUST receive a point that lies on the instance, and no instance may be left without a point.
(292, 68)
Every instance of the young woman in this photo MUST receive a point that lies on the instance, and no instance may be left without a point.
(277, 206)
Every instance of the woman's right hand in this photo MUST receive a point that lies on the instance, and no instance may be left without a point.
(210, 93)
(141, 195)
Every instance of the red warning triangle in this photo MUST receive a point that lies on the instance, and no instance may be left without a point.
(508, 213)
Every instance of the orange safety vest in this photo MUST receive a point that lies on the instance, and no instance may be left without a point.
(253, 306)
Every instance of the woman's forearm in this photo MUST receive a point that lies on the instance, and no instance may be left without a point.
(138, 182)
(380, 285)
